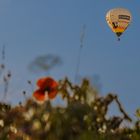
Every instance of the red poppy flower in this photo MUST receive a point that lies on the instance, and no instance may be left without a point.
(46, 85)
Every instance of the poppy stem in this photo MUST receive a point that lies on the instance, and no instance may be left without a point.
(3, 53)
(30, 83)
(82, 36)
(24, 95)
(78, 64)
(6, 79)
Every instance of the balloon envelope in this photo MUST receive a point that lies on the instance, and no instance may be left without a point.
(118, 20)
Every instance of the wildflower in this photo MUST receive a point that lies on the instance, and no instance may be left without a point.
(13, 129)
(47, 89)
(36, 125)
(1, 123)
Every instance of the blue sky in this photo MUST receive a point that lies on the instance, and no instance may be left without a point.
(30, 28)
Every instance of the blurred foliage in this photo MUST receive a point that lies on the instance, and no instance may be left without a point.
(80, 119)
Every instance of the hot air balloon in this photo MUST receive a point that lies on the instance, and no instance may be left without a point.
(118, 20)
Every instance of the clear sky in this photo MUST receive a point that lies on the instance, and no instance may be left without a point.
(30, 28)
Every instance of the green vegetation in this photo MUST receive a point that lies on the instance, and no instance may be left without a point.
(84, 117)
